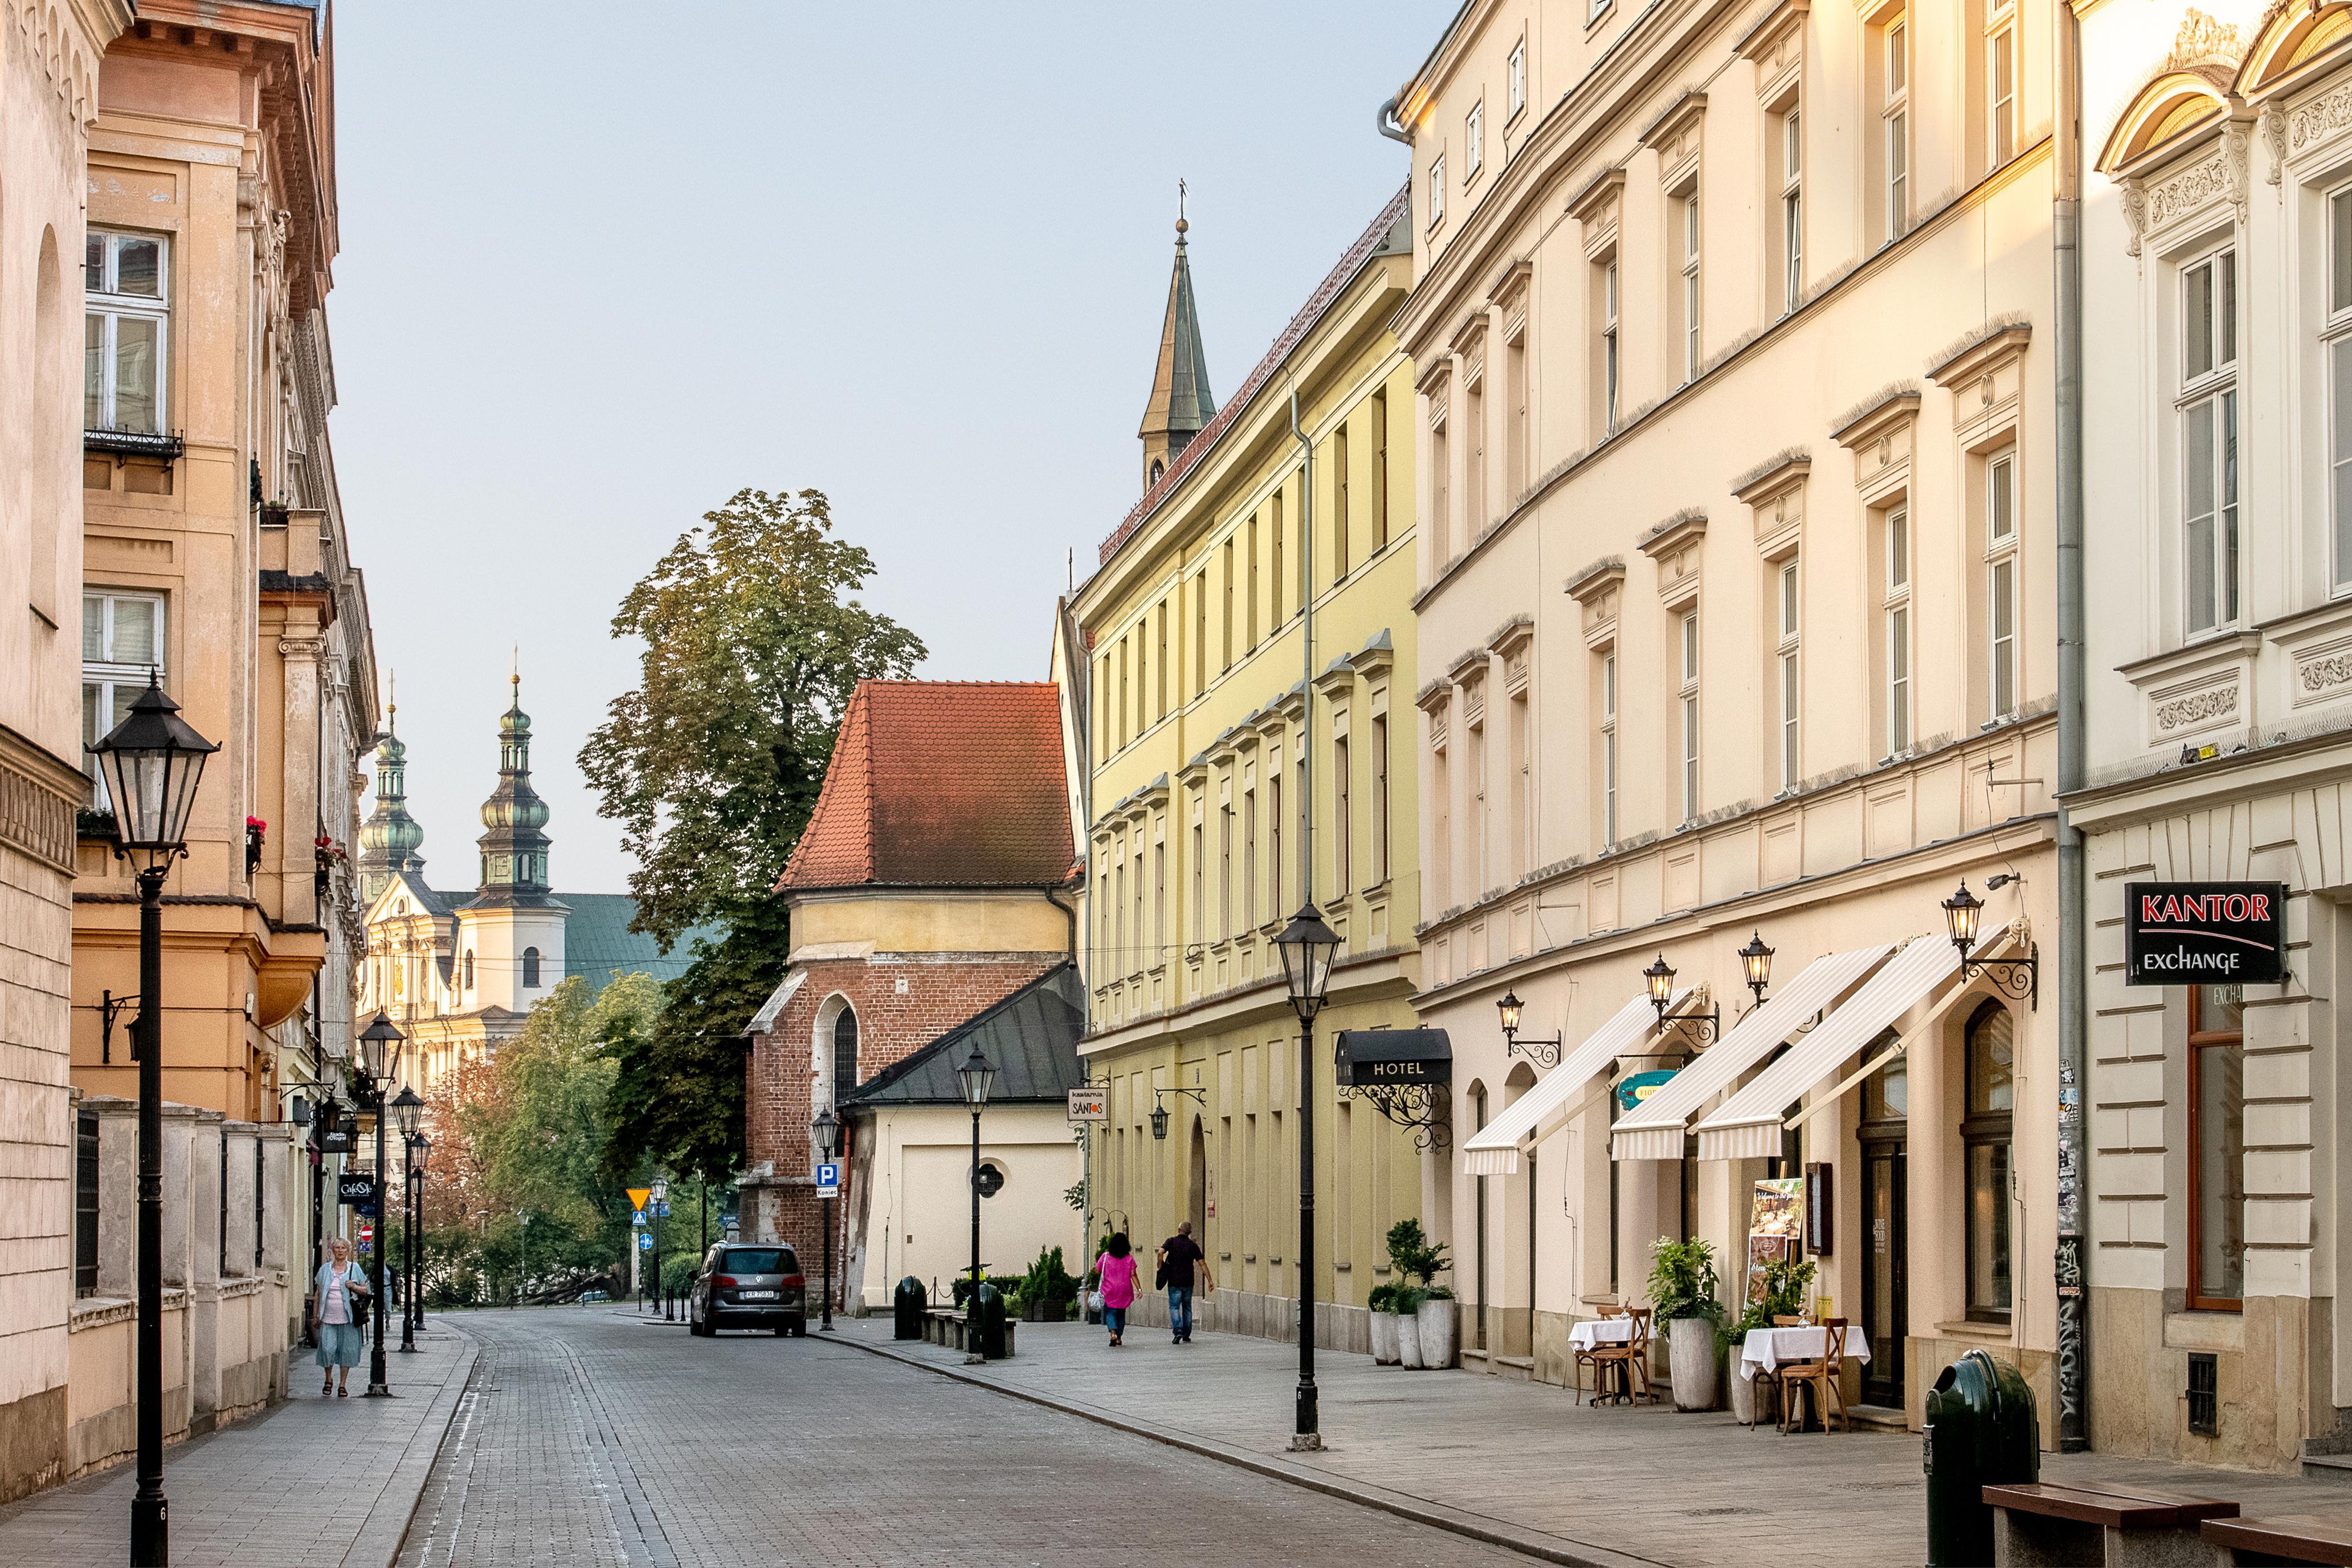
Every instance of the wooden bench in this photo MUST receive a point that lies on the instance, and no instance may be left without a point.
(2109, 1526)
(2287, 1538)
(948, 1327)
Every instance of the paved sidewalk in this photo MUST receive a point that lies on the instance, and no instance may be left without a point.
(1521, 1465)
(313, 1483)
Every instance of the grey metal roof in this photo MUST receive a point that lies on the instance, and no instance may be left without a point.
(1032, 1036)
(599, 944)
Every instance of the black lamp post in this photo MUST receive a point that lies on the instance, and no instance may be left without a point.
(824, 1132)
(420, 1149)
(378, 1064)
(150, 766)
(978, 1076)
(657, 1195)
(1307, 946)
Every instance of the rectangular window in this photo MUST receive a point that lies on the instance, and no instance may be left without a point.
(1690, 287)
(1122, 691)
(2001, 77)
(1791, 694)
(1479, 823)
(1160, 901)
(1514, 390)
(85, 1204)
(1441, 825)
(2339, 381)
(1690, 716)
(1274, 616)
(1339, 541)
(1200, 631)
(1343, 821)
(126, 329)
(1608, 748)
(1895, 115)
(1379, 799)
(2000, 583)
(1899, 631)
(1986, 1130)
(1225, 867)
(1274, 844)
(122, 644)
(1516, 74)
(1437, 190)
(1249, 859)
(1229, 603)
(1792, 213)
(2216, 1140)
(1251, 614)
(1596, 9)
(1440, 473)
(1200, 873)
(1608, 346)
(1474, 141)
(1473, 477)
(1380, 471)
(1522, 848)
(2209, 443)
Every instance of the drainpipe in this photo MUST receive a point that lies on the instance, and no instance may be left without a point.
(2066, 215)
(1069, 913)
(1390, 126)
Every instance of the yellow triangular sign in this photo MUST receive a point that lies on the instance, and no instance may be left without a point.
(638, 1197)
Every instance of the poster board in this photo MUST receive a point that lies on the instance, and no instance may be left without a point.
(1775, 1227)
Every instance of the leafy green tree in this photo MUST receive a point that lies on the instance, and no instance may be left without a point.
(753, 640)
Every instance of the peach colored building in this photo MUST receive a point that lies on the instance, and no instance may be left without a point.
(1735, 419)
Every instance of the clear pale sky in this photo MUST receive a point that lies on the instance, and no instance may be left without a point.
(603, 264)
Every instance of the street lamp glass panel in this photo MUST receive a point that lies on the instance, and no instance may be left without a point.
(1509, 1007)
(151, 765)
(1307, 946)
(1160, 1122)
(1756, 958)
(825, 1132)
(407, 1110)
(1961, 912)
(660, 1190)
(380, 1052)
(978, 1076)
(1661, 976)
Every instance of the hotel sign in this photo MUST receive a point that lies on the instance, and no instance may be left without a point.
(2204, 934)
(1371, 1058)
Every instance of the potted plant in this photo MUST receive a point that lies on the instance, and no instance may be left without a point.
(1418, 1263)
(1382, 1305)
(1682, 1296)
(1408, 1327)
(1785, 1284)
(255, 828)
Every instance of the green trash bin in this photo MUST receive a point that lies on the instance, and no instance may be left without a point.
(1982, 1432)
(992, 1321)
(908, 1306)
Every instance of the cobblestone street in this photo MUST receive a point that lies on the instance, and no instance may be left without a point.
(587, 1438)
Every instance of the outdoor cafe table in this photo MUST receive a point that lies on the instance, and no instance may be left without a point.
(1766, 1349)
(1596, 1331)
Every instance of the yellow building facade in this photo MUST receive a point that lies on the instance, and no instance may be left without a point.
(1232, 772)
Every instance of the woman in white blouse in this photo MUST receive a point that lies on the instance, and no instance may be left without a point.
(339, 1316)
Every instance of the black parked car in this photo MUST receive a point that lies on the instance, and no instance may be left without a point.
(741, 1287)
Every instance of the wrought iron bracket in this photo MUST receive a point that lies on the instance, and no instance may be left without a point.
(1700, 1029)
(2019, 979)
(109, 1007)
(1200, 1097)
(1421, 1109)
(1544, 1052)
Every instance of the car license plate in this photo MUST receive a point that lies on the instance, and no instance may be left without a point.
(757, 1295)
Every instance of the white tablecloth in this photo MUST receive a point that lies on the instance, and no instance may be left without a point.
(1765, 1349)
(1600, 1331)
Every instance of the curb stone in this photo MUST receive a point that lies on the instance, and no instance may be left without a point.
(1455, 1522)
(385, 1531)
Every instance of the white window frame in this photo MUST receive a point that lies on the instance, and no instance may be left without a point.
(2335, 345)
(2002, 606)
(114, 682)
(1901, 721)
(1609, 360)
(1690, 285)
(1688, 696)
(108, 309)
(1792, 208)
(1896, 116)
(1609, 747)
(2207, 409)
(1515, 80)
(1596, 9)
(1792, 691)
(1473, 142)
(1437, 190)
(2001, 88)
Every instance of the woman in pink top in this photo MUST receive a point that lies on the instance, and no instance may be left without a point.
(1114, 1277)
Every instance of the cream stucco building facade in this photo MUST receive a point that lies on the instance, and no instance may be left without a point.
(1733, 418)
(49, 58)
(2218, 267)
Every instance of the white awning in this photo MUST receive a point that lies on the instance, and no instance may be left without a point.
(1494, 1149)
(1747, 1126)
(1654, 1129)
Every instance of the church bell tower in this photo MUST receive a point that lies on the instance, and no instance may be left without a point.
(1181, 407)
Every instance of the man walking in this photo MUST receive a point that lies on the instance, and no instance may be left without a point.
(1181, 1262)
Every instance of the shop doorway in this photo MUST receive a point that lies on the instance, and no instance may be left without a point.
(1198, 1188)
(1886, 1270)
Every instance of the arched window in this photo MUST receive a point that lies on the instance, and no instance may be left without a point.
(1157, 469)
(844, 1053)
(530, 966)
(469, 969)
(1991, 1049)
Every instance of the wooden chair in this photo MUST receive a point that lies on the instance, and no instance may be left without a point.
(1630, 1361)
(1822, 1375)
(1590, 1356)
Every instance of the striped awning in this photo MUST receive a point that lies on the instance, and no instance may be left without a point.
(1493, 1149)
(1653, 1130)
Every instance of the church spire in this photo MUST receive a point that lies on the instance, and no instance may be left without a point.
(1180, 405)
(390, 837)
(514, 851)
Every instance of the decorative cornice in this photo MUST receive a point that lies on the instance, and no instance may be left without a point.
(1876, 416)
(1682, 528)
(1597, 579)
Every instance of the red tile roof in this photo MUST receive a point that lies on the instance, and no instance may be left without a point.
(941, 784)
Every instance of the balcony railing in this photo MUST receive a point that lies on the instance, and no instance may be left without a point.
(132, 444)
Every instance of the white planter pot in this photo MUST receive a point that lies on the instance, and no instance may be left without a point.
(1437, 1321)
(1384, 1338)
(1408, 1333)
(1694, 1364)
(1744, 1393)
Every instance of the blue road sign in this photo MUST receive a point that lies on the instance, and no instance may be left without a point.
(638, 1219)
(828, 1179)
(645, 1243)
(661, 1211)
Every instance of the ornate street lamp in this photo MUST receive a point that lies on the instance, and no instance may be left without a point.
(977, 1075)
(658, 1195)
(150, 766)
(1545, 1051)
(2020, 979)
(407, 1110)
(420, 1149)
(824, 1134)
(1755, 964)
(1307, 946)
(1660, 979)
(379, 1063)
(1962, 913)
(1700, 1029)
